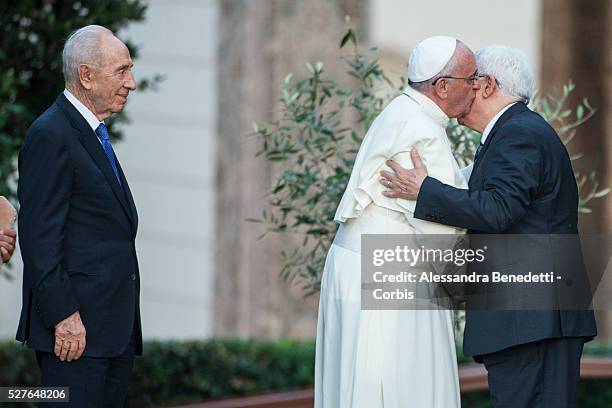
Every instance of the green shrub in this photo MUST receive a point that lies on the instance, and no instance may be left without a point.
(177, 372)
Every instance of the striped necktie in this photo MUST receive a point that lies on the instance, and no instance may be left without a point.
(102, 133)
(477, 152)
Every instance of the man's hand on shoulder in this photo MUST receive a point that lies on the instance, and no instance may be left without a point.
(404, 183)
(70, 338)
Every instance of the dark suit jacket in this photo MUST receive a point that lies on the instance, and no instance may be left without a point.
(522, 183)
(77, 230)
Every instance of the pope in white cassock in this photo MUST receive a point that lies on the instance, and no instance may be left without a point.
(394, 358)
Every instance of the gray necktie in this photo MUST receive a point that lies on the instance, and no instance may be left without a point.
(477, 152)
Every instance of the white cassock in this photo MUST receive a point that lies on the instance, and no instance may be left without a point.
(386, 358)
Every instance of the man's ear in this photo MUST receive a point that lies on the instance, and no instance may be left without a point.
(441, 88)
(489, 86)
(86, 76)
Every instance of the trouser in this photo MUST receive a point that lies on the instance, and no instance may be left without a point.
(93, 382)
(542, 374)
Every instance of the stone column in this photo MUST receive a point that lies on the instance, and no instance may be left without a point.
(260, 42)
(577, 45)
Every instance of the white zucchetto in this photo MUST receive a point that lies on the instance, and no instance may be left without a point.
(430, 56)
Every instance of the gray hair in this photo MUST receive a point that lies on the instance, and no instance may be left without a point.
(82, 47)
(511, 69)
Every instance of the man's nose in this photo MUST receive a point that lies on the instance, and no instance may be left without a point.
(130, 83)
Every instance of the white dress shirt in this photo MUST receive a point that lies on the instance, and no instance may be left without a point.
(467, 171)
(83, 110)
(492, 122)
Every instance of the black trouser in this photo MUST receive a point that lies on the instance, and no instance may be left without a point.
(542, 374)
(93, 382)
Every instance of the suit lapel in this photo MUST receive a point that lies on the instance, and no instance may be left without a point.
(513, 110)
(90, 142)
(128, 193)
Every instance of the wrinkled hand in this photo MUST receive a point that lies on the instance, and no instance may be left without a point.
(70, 338)
(404, 183)
(7, 244)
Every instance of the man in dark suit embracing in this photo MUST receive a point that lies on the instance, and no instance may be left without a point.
(77, 225)
(522, 186)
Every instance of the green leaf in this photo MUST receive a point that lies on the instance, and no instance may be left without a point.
(579, 112)
(349, 36)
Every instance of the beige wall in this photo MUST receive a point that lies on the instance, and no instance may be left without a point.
(169, 159)
(396, 26)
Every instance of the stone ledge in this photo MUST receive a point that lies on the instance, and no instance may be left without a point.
(472, 377)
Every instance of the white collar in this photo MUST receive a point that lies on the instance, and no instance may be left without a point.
(429, 106)
(492, 122)
(83, 110)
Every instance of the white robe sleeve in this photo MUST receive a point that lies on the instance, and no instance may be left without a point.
(393, 139)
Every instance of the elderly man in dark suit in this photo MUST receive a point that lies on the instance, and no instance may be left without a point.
(77, 225)
(522, 183)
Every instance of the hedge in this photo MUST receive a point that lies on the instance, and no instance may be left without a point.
(176, 372)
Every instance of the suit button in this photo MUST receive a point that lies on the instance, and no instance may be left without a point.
(569, 282)
(133, 276)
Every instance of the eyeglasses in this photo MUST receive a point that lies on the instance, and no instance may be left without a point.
(483, 76)
(472, 78)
